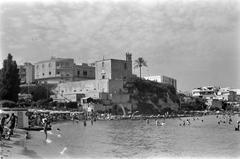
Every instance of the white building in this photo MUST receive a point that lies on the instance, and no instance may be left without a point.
(163, 79)
(97, 89)
(57, 70)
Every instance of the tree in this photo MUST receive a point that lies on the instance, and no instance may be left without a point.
(139, 63)
(10, 82)
(40, 92)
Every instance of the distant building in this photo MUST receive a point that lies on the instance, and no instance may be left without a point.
(163, 79)
(57, 70)
(114, 69)
(207, 92)
(83, 72)
(54, 70)
(26, 73)
(226, 94)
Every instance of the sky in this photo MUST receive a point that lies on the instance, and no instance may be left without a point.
(195, 42)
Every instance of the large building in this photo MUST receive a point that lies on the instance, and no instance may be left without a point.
(97, 89)
(114, 69)
(163, 79)
(26, 73)
(57, 70)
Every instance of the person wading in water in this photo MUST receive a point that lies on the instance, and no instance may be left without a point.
(45, 126)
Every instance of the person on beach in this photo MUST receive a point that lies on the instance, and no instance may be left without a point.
(12, 121)
(238, 126)
(3, 120)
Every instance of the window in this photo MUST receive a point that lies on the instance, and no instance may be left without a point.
(43, 74)
(125, 65)
(78, 73)
(42, 65)
(103, 76)
(50, 73)
(37, 67)
(84, 73)
(102, 64)
(67, 74)
(58, 72)
(49, 65)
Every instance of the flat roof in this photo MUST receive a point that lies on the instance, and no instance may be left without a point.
(110, 59)
(54, 59)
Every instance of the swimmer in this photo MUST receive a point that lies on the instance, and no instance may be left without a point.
(45, 125)
(147, 121)
(84, 123)
(92, 121)
(27, 136)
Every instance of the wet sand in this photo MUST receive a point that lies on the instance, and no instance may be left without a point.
(14, 148)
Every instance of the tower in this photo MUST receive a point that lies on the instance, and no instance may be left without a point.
(129, 64)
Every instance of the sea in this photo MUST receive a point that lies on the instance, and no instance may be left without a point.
(203, 138)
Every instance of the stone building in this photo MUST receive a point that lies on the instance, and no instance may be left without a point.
(83, 72)
(57, 70)
(26, 73)
(114, 68)
(97, 89)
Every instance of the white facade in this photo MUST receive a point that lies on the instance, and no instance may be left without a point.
(89, 88)
(54, 69)
(57, 70)
(163, 79)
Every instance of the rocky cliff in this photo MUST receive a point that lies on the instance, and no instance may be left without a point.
(151, 97)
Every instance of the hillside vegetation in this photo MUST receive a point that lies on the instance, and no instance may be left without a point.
(152, 97)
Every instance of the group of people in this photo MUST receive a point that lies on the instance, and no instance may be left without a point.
(6, 129)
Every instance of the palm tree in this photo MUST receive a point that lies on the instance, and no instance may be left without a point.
(139, 63)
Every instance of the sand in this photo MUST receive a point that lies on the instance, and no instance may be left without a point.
(14, 148)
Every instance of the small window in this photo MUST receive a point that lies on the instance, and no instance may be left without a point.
(78, 73)
(42, 65)
(43, 74)
(50, 73)
(49, 65)
(102, 64)
(58, 72)
(125, 65)
(84, 73)
(103, 76)
(67, 74)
